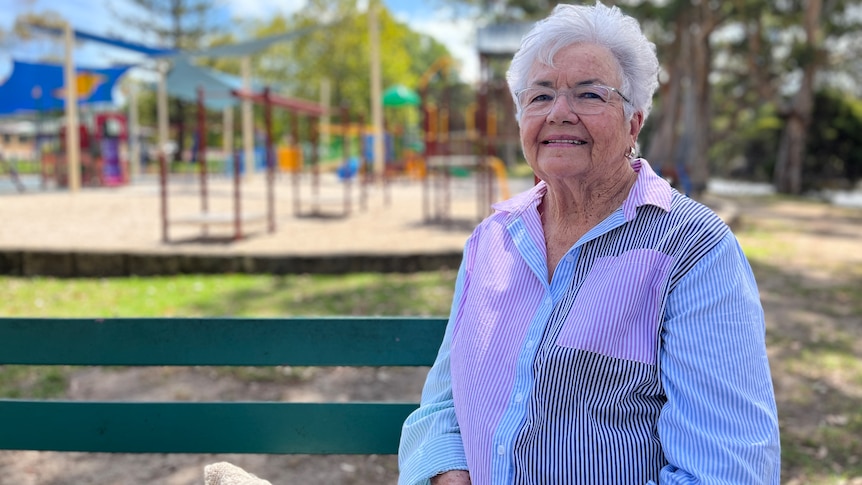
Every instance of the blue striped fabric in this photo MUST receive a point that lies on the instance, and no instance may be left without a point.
(643, 361)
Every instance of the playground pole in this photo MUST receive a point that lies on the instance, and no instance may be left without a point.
(376, 99)
(270, 162)
(73, 147)
(162, 108)
(163, 193)
(134, 138)
(202, 153)
(247, 121)
(227, 138)
(326, 102)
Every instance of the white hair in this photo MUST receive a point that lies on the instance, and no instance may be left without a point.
(600, 25)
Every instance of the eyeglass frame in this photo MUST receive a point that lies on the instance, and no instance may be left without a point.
(557, 94)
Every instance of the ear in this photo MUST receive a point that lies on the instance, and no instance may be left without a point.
(635, 124)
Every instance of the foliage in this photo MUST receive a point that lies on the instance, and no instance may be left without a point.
(335, 48)
(339, 50)
(749, 143)
(22, 31)
(183, 24)
(835, 143)
(757, 49)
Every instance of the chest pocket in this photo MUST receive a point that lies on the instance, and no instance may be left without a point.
(616, 311)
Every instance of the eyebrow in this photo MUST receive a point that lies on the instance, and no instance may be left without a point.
(592, 81)
(586, 82)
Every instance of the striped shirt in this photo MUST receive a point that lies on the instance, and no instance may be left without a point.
(643, 361)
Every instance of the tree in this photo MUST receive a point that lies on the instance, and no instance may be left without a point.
(339, 51)
(834, 141)
(22, 29)
(725, 64)
(791, 153)
(788, 51)
(178, 24)
(682, 29)
(682, 121)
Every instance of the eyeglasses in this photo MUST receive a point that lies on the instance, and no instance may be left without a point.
(587, 99)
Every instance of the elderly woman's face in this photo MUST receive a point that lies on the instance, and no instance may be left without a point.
(564, 144)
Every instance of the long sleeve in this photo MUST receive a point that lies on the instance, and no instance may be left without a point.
(719, 424)
(431, 438)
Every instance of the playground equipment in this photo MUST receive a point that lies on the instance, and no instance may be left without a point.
(205, 218)
(402, 131)
(111, 132)
(319, 206)
(100, 138)
(237, 218)
(13, 174)
(449, 154)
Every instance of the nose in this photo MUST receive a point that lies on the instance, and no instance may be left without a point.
(561, 111)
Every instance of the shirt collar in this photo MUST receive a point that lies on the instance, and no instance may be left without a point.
(649, 189)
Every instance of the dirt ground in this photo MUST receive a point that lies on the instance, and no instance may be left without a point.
(202, 384)
(807, 260)
(809, 268)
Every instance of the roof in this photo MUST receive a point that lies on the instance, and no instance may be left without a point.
(501, 39)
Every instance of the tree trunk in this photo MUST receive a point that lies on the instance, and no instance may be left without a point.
(681, 141)
(700, 123)
(664, 137)
(791, 152)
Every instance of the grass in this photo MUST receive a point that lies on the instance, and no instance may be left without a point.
(229, 295)
(40, 382)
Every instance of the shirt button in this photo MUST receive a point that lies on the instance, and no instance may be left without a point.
(529, 344)
(501, 450)
(570, 258)
(519, 397)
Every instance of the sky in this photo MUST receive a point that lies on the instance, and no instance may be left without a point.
(93, 16)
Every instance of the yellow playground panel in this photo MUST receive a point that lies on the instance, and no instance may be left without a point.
(499, 168)
(289, 158)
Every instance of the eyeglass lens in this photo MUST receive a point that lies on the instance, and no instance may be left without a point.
(588, 99)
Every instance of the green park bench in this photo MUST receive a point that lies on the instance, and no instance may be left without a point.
(264, 427)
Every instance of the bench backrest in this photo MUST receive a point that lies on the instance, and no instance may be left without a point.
(212, 427)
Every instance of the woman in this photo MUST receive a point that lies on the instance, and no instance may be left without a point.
(605, 328)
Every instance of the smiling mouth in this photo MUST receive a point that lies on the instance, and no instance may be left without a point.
(570, 142)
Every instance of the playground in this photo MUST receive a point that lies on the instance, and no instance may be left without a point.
(249, 163)
(127, 219)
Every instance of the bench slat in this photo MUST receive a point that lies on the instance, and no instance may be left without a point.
(324, 341)
(171, 427)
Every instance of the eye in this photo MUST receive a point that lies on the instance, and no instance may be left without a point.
(542, 96)
(592, 93)
(536, 96)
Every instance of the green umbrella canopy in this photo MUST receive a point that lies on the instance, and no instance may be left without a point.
(400, 95)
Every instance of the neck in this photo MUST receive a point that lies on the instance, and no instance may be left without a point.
(586, 203)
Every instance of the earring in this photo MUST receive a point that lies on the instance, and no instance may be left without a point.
(631, 153)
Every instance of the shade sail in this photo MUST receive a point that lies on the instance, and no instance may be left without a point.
(184, 79)
(41, 87)
(400, 95)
